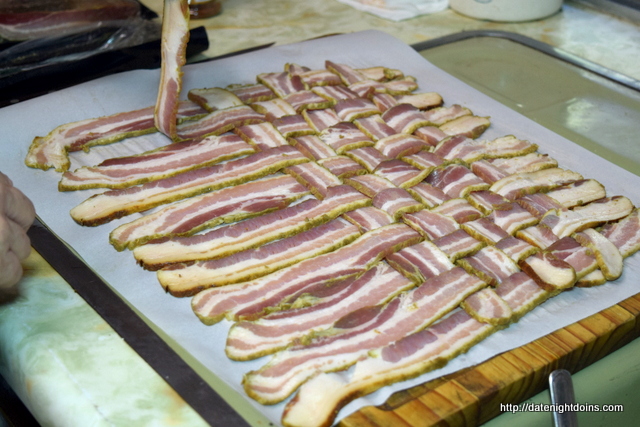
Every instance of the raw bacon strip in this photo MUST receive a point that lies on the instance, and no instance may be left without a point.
(51, 151)
(521, 293)
(420, 262)
(424, 160)
(320, 78)
(175, 35)
(564, 223)
(335, 93)
(312, 147)
(525, 163)
(274, 108)
(273, 332)
(455, 180)
(486, 201)
(404, 118)
(509, 146)
(550, 273)
(422, 101)
(400, 174)
(347, 74)
(396, 202)
(607, 255)
(485, 230)
(400, 145)
(403, 86)
(625, 234)
(469, 126)
(344, 136)
(520, 184)
(595, 278)
(250, 233)
(538, 235)
(208, 210)
(295, 69)
(102, 208)
(578, 193)
(428, 195)
(430, 134)
(282, 84)
(369, 185)
(458, 209)
(487, 171)
(490, 265)
(355, 334)
(441, 115)
(155, 164)
(250, 299)
(576, 255)
(214, 98)
(374, 127)
(319, 120)
(458, 244)
(30, 21)
(368, 218)
(307, 100)
(487, 307)
(315, 177)
(430, 224)
(460, 147)
(423, 351)
(292, 126)
(250, 94)
(219, 122)
(538, 204)
(366, 88)
(515, 248)
(383, 101)
(380, 74)
(342, 166)
(350, 109)
(261, 135)
(187, 280)
(512, 218)
(368, 157)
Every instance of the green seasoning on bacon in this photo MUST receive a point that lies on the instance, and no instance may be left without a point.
(188, 279)
(156, 164)
(102, 208)
(194, 214)
(250, 233)
(51, 151)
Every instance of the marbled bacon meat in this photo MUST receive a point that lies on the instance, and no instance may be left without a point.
(354, 229)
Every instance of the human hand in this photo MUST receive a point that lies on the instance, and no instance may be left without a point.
(16, 215)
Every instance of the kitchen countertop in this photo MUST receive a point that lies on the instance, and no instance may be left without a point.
(62, 358)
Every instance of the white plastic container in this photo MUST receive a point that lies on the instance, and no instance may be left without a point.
(506, 10)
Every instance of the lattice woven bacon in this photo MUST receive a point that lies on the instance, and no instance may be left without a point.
(341, 218)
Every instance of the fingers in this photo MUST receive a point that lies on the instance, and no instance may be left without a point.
(14, 247)
(14, 204)
(16, 216)
(19, 208)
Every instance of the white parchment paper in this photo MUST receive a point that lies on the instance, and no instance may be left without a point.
(132, 90)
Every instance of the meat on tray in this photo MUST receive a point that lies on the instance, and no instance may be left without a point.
(355, 231)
